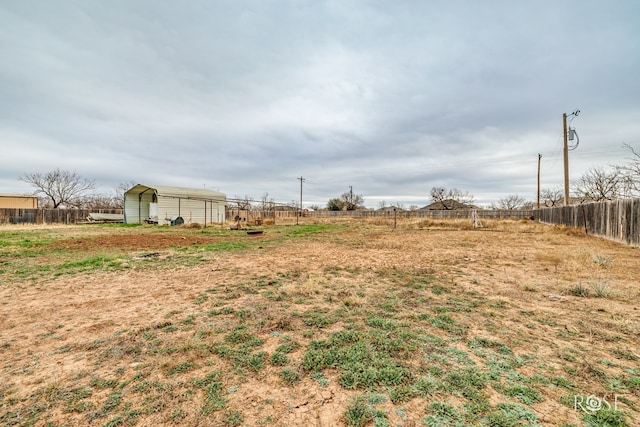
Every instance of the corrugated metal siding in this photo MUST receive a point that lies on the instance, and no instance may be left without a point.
(8, 201)
(188, 193)
(192, 204)
(191, 211)
(136, 210)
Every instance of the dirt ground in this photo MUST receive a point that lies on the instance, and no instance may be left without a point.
(134, 336)
(128, 243)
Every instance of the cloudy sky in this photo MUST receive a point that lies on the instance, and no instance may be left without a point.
(391, 98)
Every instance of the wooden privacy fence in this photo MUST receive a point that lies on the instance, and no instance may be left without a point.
(617, 220)
(433, 214)
(74, 216)
(246, 215)
(49, 216)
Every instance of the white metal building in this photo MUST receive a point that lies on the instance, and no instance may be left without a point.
(158, 204)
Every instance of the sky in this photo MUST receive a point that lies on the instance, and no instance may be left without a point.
(387, 98)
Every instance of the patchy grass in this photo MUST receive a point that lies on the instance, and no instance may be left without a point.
(357, 324)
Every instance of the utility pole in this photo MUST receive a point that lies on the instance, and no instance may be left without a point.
(395, 215)
(539, 158)
(566, 160)
(300, 213)
(351, 195)
(566, 154)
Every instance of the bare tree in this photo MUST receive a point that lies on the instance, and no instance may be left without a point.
(115, 200)
(44, 202)
(61, 187)
(552, 196)
(382, 204)
(597, 185)
(243, 204)
(266, 203)
(450, 198)
(119, 191)
(630, 173)
(511, 202)
(99, 201)
(352, 201)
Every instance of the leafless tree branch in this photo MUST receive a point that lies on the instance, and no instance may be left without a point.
(598, 185)
(61, 187)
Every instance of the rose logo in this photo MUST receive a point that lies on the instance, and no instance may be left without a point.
(593, 403)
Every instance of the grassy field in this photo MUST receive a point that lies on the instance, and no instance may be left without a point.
(341, 324)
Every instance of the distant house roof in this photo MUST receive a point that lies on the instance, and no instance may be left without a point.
(287, 208)
(390, 209)
(448, 204)
(179, 192)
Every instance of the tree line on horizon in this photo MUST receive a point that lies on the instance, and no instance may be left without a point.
(66, 189)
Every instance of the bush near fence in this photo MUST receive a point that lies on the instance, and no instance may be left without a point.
(49, 216)
(617, 220)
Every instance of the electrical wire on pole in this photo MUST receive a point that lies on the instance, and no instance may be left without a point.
(566, 153)
(539, 159)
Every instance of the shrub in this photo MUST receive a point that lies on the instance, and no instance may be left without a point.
(579, 290)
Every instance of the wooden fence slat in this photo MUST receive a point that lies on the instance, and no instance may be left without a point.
(614, 220)
(251, 215)
(73, 216)
(49, 216)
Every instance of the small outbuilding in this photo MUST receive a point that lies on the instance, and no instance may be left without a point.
(18, 201)
(163, 205)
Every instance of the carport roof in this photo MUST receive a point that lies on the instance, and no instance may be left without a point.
(178, 192)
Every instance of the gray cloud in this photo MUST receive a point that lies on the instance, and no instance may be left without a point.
(246, 96)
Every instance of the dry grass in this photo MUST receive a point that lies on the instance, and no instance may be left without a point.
(322, 324)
